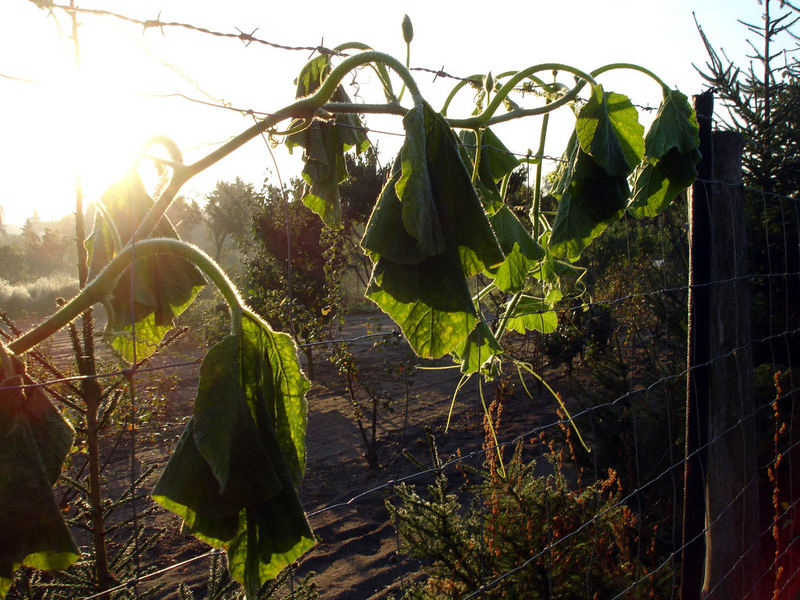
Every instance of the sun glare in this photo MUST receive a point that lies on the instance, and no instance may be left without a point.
(87, 123)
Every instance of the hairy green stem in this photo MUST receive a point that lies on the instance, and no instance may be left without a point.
(631, 67)
(103, 285)
(486, 117)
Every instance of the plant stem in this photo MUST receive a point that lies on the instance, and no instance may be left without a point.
(537, 190)
(632, 67)
(104, 283)
(512, 305)
(477, 163)
(486, 117)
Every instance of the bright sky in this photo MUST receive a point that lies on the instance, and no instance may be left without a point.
(93, 120)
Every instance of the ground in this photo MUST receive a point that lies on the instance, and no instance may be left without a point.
(357, 551)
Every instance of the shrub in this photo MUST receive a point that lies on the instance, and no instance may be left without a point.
(545, 537)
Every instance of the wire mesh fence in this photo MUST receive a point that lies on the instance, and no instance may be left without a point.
(564, 476)
(534, 510)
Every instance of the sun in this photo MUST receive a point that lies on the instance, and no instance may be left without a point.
(75, 124)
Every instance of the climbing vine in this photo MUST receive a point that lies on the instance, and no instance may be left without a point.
(439, 230)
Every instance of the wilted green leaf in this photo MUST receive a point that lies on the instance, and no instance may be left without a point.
(426, 295)
(674, 128)
(671, 157)
(161, 287)
(479, 347)
(234, 473)
(34, 441)
(324, 145)
(421, 218)
(656, 184)
(590, 202)
(532, 314)
(608, 130)
(430, 301)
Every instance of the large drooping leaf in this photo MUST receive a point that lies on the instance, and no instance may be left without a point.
(234, 472)
(161, 287)
(589, 201)
(671, 157)
(324, 145)
(427, 295)
(532, 314)
(522, 253)
(34, 441)
(479, 348)
(657, 183)
(608, 130)
(674, 128)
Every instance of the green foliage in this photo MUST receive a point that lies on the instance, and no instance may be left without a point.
(671, 157)
(608, 130)
(234, 473)
(324, 145)
(295, 269)
(426, 237)
(147, 298)
(227, 212)
(440, 225)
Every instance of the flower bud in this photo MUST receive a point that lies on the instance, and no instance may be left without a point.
(408, 29)
(488, 83)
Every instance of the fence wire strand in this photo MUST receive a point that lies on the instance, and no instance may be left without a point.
(781, 334)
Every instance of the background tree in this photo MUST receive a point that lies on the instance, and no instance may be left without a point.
(185, 214)
(366, 176)
(292, 289)
(762, 102)
(227, 211)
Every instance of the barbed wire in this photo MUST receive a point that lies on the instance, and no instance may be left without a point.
(157, 23)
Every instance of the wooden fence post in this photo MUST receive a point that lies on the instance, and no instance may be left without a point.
(720, 533)
(732, 516)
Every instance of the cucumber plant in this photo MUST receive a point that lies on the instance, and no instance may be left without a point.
(439, 230)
